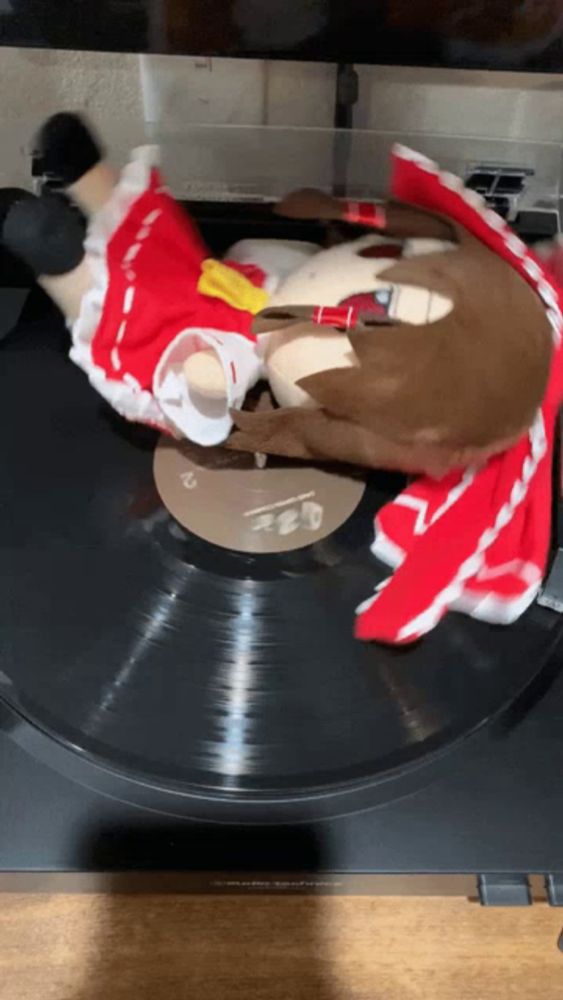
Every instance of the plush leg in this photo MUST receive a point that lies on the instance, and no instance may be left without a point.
(8, 198)
(68, 290)
(67, 151)
(95, 189)
(48, 236)
(204, 374)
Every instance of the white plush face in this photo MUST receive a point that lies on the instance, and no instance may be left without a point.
(356, 270)
(351, 274)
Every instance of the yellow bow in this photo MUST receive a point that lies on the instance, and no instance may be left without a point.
(220, 281)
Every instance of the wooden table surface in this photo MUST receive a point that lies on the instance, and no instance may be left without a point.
(264, 948)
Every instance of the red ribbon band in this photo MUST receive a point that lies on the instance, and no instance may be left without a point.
(339, 316)
(364, 213)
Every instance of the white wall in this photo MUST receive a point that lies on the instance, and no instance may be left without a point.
(236, 91)
(34, 84)
(502, 105)
(130, 98)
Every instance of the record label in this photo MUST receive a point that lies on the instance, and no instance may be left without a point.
(224, 498)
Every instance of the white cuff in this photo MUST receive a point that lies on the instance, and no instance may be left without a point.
(200, 419)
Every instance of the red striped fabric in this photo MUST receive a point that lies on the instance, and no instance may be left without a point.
(478, 541)
(364, 213)
(344, 317)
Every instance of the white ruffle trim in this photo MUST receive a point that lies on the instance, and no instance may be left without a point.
(202, 420)
(125, 395)
(458, 594)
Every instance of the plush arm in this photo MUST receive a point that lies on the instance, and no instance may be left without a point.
(200, 377)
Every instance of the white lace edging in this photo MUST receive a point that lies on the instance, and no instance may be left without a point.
(125, 394)
(457, 595)
(206, 422)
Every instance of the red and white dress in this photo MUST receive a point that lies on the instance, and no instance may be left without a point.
(476, 541)
(146, 313)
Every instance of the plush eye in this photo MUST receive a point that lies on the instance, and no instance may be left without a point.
(375, 303)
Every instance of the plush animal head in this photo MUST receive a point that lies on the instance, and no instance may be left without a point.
(350, 285)
(436, 352)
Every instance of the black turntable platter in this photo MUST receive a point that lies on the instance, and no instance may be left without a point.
(170, 672)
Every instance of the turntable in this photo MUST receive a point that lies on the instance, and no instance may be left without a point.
(170, 704)
(180, 712)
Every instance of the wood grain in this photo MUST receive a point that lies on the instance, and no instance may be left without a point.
(264, 948)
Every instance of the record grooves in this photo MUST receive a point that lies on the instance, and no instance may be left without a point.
(171, 672)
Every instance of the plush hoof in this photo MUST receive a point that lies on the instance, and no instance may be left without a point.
(8, 198)
(45, 233)
(65, 149)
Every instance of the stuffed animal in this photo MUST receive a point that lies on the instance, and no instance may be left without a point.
(414, 347)
(431, 345)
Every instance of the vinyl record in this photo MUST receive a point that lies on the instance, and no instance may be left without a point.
(179, 674)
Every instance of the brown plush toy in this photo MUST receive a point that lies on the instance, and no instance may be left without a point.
(431, 345)
(417, 347)
(453, 373)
